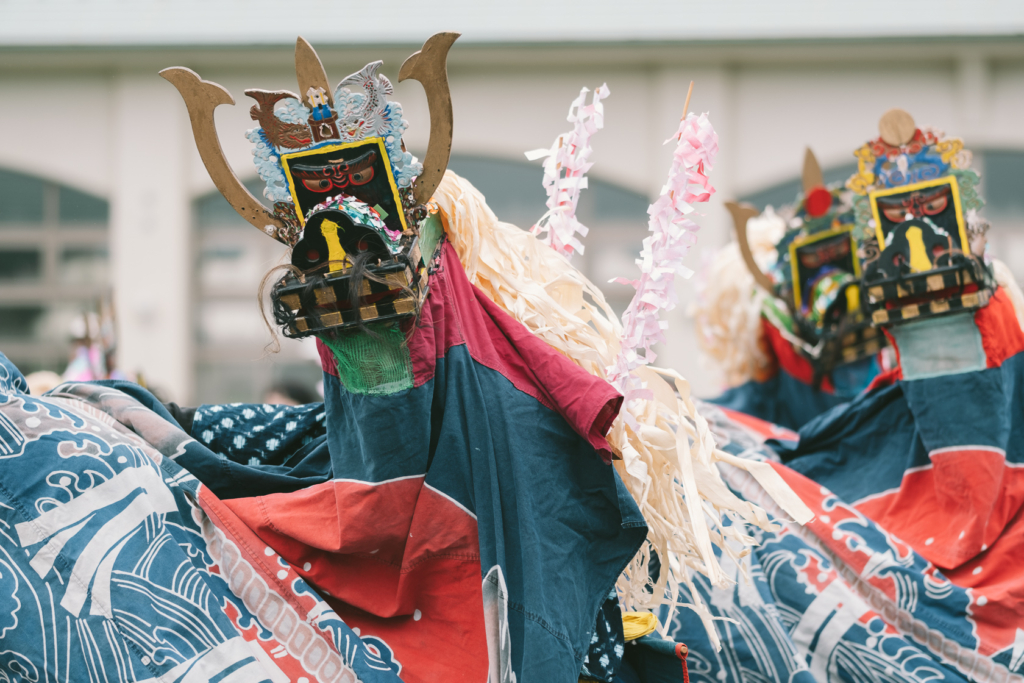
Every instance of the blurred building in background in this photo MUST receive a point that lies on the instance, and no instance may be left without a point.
(102, 190)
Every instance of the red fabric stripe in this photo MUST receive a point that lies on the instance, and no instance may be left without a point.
(790, 359)
(398, 560)
(947, 510)
(1001, 336)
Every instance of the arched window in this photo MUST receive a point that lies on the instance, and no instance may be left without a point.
(1003, 183)
(54, 265)
(1002, 186)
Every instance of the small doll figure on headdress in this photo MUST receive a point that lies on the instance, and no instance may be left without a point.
(318, 104)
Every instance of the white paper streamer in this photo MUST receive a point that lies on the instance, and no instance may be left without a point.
(668, 452)
(565, 174)
(661, 259)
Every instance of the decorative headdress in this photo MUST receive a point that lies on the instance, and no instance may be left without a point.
(916, 212)
(347, 196)
(902, 240)
(814, 279)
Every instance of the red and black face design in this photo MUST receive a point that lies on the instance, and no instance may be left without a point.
(832, 251)
(935, 205)
(360, 171)
(338, 175)
(817, 255)
(914, 246)
(932, 202)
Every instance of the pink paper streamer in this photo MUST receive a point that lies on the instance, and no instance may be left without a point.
(565, 170)
(661, 259)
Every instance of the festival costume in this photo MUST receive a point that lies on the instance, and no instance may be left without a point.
(450, 512)
(909, 570)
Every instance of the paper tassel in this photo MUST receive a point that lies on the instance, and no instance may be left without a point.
(660, 430)
(565, 174)
(726, 310)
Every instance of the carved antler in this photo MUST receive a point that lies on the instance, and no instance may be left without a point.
(309, 71)
(811, 177)
(202, 97)
(429, 66)
(741, 213)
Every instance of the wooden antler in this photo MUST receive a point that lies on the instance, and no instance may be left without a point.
(429, 66)
(741, 213)
(811, 177)
(202, 97)
(309, 71)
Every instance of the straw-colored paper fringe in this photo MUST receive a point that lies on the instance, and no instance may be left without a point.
(668, 461)
(1005, 279)
(726, 313)
(726, 310)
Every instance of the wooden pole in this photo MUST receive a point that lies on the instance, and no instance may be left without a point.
(686, 106)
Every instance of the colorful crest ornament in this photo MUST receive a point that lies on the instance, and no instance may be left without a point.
(346, 195)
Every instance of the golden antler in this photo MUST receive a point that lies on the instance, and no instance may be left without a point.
(741, 213)
(309, 71)
(202, 97)
(429, 66)
(811, 176)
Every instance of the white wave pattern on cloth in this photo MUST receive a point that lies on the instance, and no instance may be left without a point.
(290, 628)
(499, 642)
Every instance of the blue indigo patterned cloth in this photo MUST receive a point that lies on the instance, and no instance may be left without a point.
(256, 449)
(910, 568)
(606, 644)
(112, 570)
(256, 434)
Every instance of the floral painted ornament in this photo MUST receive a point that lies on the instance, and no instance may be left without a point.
(340, 181)
(322, 141)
